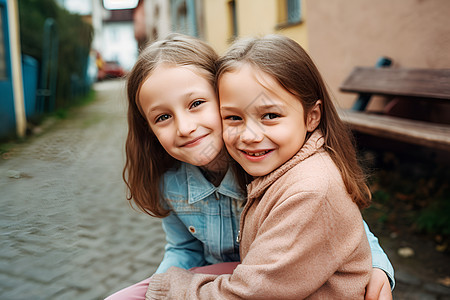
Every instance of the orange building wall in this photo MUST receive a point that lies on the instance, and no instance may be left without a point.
(344, 34)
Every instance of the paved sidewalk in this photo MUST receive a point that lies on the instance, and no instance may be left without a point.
(66, 229)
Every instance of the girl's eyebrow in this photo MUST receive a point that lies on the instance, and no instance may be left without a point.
(264, 107)
(270, 107)
(155, 108)
(186, 96)
(228, 108)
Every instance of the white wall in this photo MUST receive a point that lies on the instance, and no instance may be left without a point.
(118, 43)
(157, 16)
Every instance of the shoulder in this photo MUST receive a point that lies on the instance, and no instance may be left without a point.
(316, 183)
(314, 188)
(314, 174)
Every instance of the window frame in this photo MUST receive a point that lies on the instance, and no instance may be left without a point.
(290, 13)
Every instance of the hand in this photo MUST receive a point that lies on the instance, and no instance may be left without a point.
(154, 289)
(379, 286)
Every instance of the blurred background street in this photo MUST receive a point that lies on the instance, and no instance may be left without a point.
(66, 229)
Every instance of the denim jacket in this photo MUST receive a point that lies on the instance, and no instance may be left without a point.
(203, 226)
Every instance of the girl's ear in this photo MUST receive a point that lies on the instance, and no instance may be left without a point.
(313, 117)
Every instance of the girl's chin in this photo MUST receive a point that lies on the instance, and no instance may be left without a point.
(218, 164)
(203, 162)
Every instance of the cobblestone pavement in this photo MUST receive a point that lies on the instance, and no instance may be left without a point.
(66, 230)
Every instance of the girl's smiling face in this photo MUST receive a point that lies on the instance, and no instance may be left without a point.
(263, 123)
(182, 109)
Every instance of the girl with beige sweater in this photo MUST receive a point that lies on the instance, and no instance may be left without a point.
(301, 231)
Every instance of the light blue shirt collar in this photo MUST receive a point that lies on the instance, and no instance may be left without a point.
(199, 187)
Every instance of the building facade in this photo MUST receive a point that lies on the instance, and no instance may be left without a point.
(226, 20)
(345, 34)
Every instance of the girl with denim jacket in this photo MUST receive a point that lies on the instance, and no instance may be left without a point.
(178, 169)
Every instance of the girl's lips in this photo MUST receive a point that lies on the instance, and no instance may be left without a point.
(256, 155)
(194, 142)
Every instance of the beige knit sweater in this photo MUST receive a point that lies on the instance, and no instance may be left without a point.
(301, 237)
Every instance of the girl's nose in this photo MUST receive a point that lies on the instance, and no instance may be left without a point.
(185, 126)
(251, 133)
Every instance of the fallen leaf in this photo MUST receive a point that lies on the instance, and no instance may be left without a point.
(441, 248)
(444, 281)
(14, 174)
(405, 252)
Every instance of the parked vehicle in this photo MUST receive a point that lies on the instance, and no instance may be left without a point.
(110, 69)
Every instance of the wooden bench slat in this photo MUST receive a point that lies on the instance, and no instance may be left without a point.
(410, 131)
(422, 83)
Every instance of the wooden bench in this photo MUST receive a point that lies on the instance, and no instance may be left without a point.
(431, 87)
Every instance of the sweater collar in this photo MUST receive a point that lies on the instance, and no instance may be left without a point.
(260, 184)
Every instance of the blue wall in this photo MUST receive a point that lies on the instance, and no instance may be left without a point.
(29, 78)
(7, 116)
(30, 68)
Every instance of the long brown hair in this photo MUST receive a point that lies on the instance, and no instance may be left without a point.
(146, 159)
(287, 62)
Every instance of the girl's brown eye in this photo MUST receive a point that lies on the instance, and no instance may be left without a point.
(271, 116)
(233, 118)
(162, 118)
(196, 103)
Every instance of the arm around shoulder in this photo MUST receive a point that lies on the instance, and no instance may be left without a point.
(291, 256)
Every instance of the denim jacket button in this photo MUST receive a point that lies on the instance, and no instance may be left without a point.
(192, 229)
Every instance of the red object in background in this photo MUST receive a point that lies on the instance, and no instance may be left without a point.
(110, 69)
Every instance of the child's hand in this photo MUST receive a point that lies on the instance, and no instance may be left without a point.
(155, 291)
(379, 286)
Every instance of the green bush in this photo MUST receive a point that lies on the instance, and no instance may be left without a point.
(436, 217)
(74, 35)
(412, 192)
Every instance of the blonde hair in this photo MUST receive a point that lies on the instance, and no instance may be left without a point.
(146, 159)
(287, 62)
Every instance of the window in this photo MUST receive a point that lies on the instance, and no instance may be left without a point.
(232, 18)
(182, 24)
(289, 13)
(184, 17)
(293, 11)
